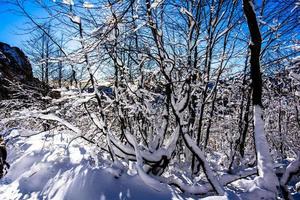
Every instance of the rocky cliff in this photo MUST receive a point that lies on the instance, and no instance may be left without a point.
(16, 76)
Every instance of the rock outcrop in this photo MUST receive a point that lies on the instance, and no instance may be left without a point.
(16, 76)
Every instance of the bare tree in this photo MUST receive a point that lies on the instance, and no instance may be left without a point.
(267, 179)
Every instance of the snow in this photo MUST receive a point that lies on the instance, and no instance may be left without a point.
(68, 2)
(51, 117)
(185, 11)
(43, 167)
(213, 180)
(156, 3)
(292, 168)
(52, 165)
(297, 186)
(216, 198)
(297, 5)
(139, 26)
(75, 19)
(295, 76)
(267, 179)
(147, 179)
(119, 62)
(141, 150)
(88, 5)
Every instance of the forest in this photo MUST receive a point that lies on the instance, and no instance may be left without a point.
(151, 99)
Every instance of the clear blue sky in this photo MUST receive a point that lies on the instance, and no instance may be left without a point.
(11, 23)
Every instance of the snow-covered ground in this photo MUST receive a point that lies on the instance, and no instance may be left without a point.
(46, 166)
(54, 165)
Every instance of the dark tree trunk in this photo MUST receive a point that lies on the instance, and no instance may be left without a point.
(60, 75)
(255, 47)
(245, 127)
(266, 173)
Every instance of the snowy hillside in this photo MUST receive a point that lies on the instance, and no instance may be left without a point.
(45, 167)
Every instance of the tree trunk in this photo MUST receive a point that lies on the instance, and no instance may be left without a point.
(60, 75)
(267, 179)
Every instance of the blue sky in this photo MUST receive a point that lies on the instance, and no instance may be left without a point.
(11, 23)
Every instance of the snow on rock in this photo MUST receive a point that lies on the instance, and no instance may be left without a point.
(46, 166)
